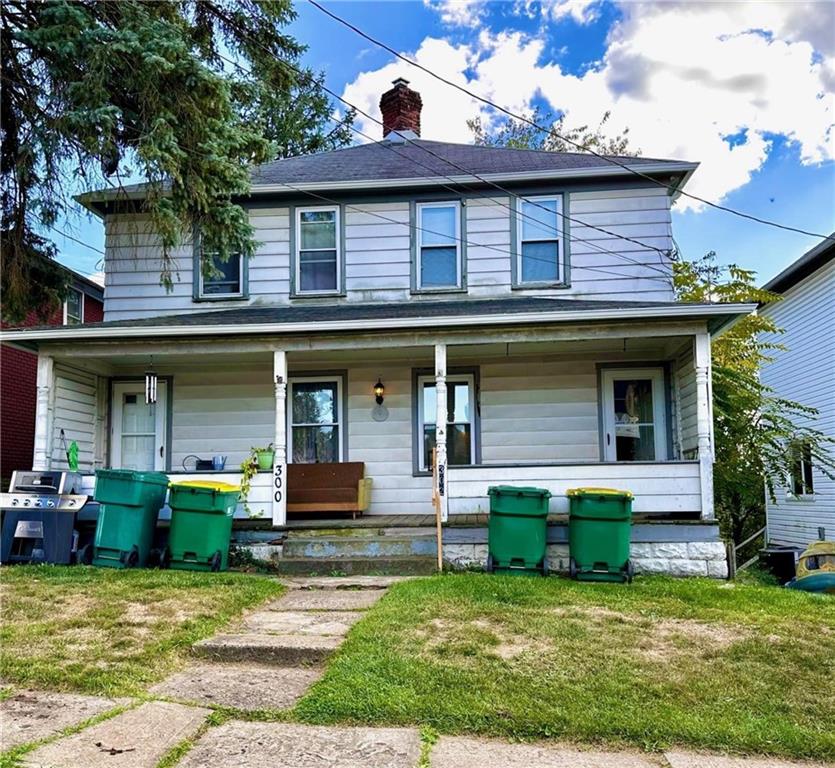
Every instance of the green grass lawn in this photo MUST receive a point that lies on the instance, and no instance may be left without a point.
(738, 667)
(106, 631)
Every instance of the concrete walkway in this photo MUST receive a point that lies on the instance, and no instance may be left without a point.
(265, 664)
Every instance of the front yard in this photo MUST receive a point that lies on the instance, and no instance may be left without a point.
(736, 667)
(102, 631)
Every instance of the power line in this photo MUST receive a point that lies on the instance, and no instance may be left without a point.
(468, 172)
(551, 131)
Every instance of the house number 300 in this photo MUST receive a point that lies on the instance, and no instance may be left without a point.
(278, 481)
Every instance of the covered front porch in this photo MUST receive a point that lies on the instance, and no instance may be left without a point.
(556, 406)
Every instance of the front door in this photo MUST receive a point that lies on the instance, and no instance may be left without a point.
(138, 434)
(634, 415)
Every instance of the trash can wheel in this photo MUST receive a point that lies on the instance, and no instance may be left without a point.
(154, 558)
(217, 559)
(165, 559)
(490, 566)
(630, 571)
(131, 559)
(84, 556)
(572, 568)
(545, 569)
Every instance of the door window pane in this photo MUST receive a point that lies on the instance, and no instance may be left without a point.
(634, 420)
(314, 416)
(138, 433)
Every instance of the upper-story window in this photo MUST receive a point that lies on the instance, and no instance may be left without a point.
(317, 257)
(74, 307)
(539, 256)
(226, 283)
(438, 246)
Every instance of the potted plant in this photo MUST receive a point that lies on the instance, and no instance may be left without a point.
(258, 459)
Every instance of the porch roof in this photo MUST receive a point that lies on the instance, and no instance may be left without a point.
(329, 318)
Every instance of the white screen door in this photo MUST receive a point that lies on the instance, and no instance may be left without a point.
(138, 428)
(634, 415)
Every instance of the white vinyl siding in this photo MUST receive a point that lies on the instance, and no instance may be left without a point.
(805, 373)
(75, 410)
(377, 259)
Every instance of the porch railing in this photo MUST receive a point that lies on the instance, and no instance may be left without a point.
(734, 549)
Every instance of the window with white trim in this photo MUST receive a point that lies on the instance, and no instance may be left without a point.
(315, 421)
(539, 258)
(74, 307)
(317, 257)
(227, 280)
(802, 477)
(438, 246)
(461, 426)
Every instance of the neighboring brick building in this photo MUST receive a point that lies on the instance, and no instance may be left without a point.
(19, 371)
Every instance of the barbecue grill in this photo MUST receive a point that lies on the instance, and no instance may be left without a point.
(39, 517)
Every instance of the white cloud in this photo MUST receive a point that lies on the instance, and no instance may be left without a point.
(682, 76)
(461, 13)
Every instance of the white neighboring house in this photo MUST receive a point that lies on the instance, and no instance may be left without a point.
(522, 320)
(805, 373)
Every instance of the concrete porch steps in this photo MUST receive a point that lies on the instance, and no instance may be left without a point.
(403, 565)
(369, 543)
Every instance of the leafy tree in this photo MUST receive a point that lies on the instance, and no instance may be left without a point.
(754, 429)
(517, 134)
(183, 94)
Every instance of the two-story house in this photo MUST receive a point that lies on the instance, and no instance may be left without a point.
(804, 372)
(517, 307)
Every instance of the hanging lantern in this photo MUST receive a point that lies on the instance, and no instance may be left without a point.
(150, 384)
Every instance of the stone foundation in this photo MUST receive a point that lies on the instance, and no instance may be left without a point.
(704, 558)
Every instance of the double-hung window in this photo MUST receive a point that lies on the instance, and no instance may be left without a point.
(438, 246)
(461, 420)
(802, 478)
(74, 307)
(539, 257)
(226, 281)
(316, 421)
(317, 250)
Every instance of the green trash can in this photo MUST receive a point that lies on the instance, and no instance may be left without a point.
(517, 529)
(129, 504)
(599, 530)
(201, 525)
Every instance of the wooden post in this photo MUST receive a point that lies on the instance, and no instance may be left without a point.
(279, 482)
(42, 456)
(441, 427)
(704, 428)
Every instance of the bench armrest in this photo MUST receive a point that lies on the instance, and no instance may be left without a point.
(364, 493)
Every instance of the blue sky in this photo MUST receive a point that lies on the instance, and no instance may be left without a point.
(747, 89)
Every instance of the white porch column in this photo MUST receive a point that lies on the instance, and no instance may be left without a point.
(42, 457)
(279, 483)
(704, 426)
(440, 426)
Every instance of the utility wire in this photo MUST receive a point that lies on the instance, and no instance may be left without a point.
(552, 132)
(600, 248)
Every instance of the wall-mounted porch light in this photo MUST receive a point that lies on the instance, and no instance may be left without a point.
(379, 391)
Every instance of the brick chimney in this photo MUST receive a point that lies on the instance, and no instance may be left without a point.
(401, 110)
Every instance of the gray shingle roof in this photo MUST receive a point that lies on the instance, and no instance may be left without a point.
(409, 160)
(284, 314)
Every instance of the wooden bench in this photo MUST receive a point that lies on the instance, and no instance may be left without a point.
(339, 487)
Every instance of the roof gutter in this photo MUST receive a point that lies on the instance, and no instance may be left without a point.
(80, 333)
(92, 200)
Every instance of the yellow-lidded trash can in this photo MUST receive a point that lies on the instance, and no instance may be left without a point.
(201, 525)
